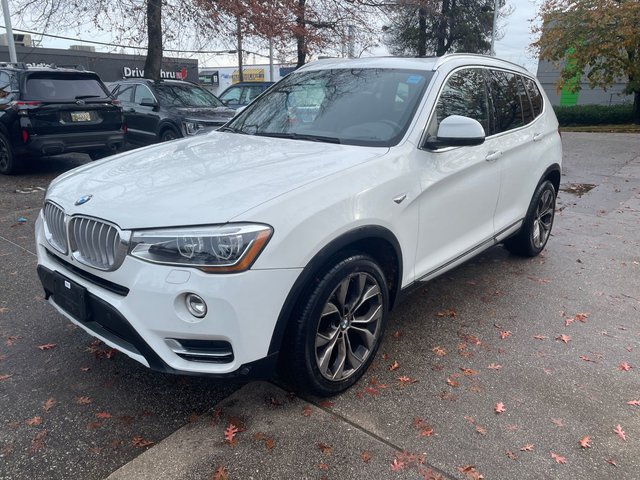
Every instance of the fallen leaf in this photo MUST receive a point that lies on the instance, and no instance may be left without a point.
(306, 411)
(481, 430)
(5, 377)
(83, 400)
(447, 313)
(394, 366)
(324, 448)
(494, 366)
(618, 431)
(141, 442)
(269, 443)
(634, 403)
(34, 421)
(586, 359)
(468, 371)
(47, 346)
(397, 334)
(564, 338)
(439, 351)
(230, 433)
(539, 337)
(85, 369)
(191, 418)
(500, 407)
(527, 447)
(365, 456)
(326, 404)
(504, 334)
(103, 415)
(38, 442)
(471, 472)
(582, 317)
(611, 461)
(624, 366)
(511, 455)
(558, 422)
(584, 442)
(11, 339)
(397, 465)
(452, 383)
(48, 404)
(558, 458)
(220, 474)
(323, 466)
(404, 380)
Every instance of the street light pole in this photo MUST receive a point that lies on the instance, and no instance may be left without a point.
(493, 30)
(7, 22)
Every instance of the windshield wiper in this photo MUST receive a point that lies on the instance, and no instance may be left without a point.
(82, 97)
(230, 129)
(300, 136)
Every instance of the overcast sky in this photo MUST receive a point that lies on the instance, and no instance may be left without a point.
(513, 46)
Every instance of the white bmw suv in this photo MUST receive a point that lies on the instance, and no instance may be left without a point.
(284, 239)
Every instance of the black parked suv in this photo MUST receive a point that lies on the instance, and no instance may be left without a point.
(168, 109)
(49, 110)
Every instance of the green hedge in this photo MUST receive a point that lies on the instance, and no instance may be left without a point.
(594, 115)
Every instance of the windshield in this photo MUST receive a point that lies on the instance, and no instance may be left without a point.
(369, 107)
(185, 95)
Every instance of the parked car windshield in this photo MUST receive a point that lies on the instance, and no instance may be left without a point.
(369, 107)
(177, 95)
(51, 87)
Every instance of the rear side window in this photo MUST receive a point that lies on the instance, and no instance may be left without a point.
(63, 88)
(507, 109)
(6, 87)
(125, 93)
(527, 109)
(534, 95)
(464, 93)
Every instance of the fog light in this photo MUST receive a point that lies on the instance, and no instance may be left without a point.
(196, 305)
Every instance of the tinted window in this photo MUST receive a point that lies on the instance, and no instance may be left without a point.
(534, 94)
(352, 106)
(63, 88)
(5, 87)
(527, 109)
(465, 94)
(124, 93)
(231, 95)
(507, 109)
(142, 94)
(185, 95)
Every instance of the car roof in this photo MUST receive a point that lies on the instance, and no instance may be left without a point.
(416, 63)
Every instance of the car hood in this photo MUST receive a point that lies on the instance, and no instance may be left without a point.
(206, 114)
(207, 179)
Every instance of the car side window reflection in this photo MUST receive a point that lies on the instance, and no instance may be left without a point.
(125, 93)
(142, 94)
(507, 108)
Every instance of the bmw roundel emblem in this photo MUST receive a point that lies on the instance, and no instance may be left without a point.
(83, 199)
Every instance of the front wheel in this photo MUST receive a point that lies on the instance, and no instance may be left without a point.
(168, 134)
(339, 327)
(536, 229)
(9, 164)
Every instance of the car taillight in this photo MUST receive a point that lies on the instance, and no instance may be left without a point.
(21, 104)
(125, 129)
(115, 102)
(25, 135)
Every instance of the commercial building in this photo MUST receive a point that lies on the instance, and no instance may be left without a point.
(217, 79)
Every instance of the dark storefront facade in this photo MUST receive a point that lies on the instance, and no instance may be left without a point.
(110, 66)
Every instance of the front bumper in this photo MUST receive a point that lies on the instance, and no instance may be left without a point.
(140, 306)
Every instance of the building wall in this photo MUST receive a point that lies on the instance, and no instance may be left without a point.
(227, 76)
(110, 66)
(548, 74)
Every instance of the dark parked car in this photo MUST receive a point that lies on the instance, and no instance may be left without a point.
(168, 109)
(242, 94)
(48, 111)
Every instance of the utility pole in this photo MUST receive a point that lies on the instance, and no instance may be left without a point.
(351, 33)
(239, 35)
(7, 23)
(493, 30)
(271, 59)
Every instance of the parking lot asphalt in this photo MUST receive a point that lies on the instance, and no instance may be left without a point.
(503, 368)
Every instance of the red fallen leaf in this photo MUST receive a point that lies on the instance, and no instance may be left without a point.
(582, 317)
(568, 321)
(452, 383)
(230, 433)
(141, 442)
(11, 339)
(34, 421)
(547, 371)
(558, 458)
(624, 366)
(85, 369)
(38, 441)
(365, 456)
(103, 415)
(481, 430)
(468, 371)
(539, 337)
(324, 448)
(586, 359)
(220, 474)
(634, 403)
(397, 465)
(584, 442)
(396, 334)
(326, 404)
(618, 431)
(385, 356)
(471, 472)
(611, 461)
(306, 411)
(394, 366)
(404, 380)
(527, 447)
(5, 377)
(494, 366)
(504, 334)
(269, 443)
(511, 455)
(47, 346)
(372, 391)
(83, 400)
(323, 466)
(500, 407)
(558, 422)
(447, 313)
(439, 351)
(94, 425)
(48, 404)
(564, 338)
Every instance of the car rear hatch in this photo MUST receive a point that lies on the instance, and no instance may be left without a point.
(68, 102)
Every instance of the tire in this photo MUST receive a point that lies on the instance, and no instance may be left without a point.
(536, 229)
(168, 134)
(9, 164)
(338, 327)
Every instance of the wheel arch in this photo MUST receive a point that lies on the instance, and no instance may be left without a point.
(552, 173)
(376, 241)
(168, 125)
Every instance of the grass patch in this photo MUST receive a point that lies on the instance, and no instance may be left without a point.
(628, 128)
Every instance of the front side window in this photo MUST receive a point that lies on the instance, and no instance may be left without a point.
(143, 94)
(185, 95)
(465, 94)
(507, 108)
(352, 106)
(231, 95)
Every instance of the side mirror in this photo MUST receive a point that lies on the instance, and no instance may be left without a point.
(148, 102)
(457, 131)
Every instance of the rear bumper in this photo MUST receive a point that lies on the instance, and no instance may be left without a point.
(73, 142)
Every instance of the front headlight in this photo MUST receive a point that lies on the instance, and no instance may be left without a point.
(219, 249)
(191, 128)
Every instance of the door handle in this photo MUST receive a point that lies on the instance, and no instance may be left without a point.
(537, 137)
(493, 156)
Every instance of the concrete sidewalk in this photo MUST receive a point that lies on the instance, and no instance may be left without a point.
(554, 339)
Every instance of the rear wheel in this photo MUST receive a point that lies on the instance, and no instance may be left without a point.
(536, 229)
(168, 134)
(339, 326)
(9, 164)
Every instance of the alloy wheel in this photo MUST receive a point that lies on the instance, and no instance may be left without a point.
(543, 219)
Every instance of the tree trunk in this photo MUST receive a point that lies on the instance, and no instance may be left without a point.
(441, 41)
(239, 38)
(153, 63)
(301, 43)
(422, 32)
(636, 107)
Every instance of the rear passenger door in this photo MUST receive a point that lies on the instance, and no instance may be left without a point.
(513, 130)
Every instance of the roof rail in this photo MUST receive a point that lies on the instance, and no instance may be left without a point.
(451, 56)
(71, 66)
(18, 65)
